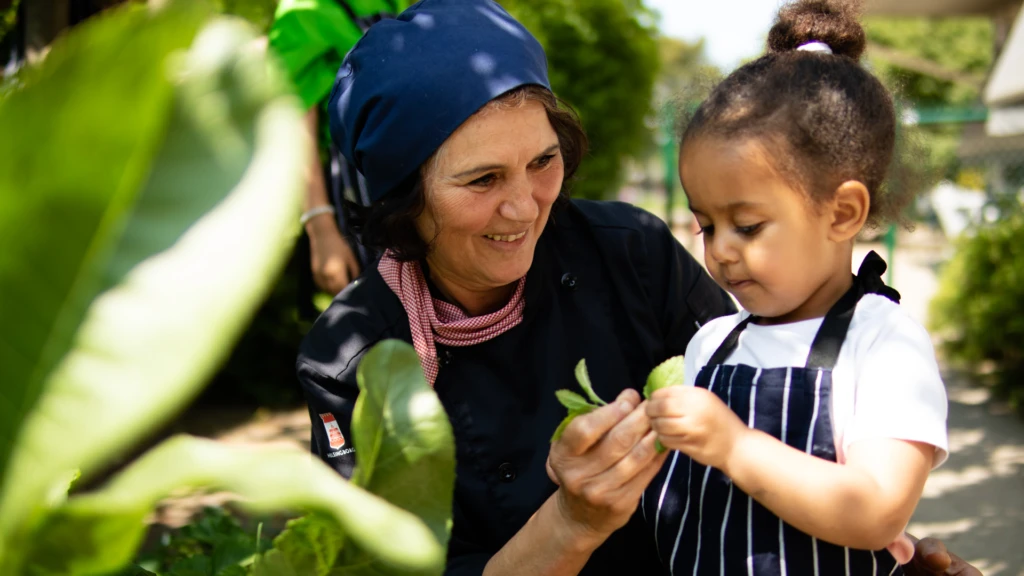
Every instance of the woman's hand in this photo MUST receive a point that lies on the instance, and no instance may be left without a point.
(332, 260)
(696, 422)
(602, 465)
(932, 559)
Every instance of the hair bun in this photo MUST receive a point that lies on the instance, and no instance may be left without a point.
(833, 22)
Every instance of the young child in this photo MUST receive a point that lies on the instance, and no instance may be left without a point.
(809, 423)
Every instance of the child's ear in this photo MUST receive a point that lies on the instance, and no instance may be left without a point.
(850, 206)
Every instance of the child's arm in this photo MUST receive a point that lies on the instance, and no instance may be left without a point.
(864, 503)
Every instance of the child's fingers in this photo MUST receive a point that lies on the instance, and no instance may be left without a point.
(666, 405)
(675, 442)
(670, 426)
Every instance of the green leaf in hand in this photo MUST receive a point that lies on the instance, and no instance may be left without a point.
(568, 420)
(584, 379)
(577, 405)
(668, 373)
(573, 401)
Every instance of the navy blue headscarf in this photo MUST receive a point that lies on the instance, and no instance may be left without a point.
(410, 82)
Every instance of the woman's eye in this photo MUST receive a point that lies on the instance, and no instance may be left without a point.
(709, 230)
(485, 180)
(749, 230)
(545, 160)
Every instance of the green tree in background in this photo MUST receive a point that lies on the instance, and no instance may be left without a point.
(684, 66)
(259, 12)
(903, 51)
(603, 59)
(960, 45)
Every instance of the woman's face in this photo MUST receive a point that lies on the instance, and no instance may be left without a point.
(488, 197)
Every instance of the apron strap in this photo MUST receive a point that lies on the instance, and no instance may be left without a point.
(830, 337)
(729, 344)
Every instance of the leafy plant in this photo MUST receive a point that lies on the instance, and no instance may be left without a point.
(151, 180)
(668, 373)
(603, 59)
(979, 308)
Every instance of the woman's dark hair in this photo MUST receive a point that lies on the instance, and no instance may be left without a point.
(388, 224)
(822, 117)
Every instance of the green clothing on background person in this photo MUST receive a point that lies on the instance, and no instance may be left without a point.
(311, 37)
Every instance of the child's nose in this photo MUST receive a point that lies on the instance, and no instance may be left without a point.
(723, 251)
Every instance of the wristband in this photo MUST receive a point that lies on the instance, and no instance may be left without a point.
(314, 212)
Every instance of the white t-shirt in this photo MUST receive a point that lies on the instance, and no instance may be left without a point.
(885, 384)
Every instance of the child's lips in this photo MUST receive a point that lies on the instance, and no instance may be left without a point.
(738, 284)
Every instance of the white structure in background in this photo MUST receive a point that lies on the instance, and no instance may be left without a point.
(1005, 91)
(956, 208)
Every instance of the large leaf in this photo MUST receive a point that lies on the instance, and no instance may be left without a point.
(405, 454)
(309, 546)
(99, 532)
(187, 254)
(405, 449)
(77, 144)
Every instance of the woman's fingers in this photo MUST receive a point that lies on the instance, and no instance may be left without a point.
(932, 559)
(627, 468)
(587, 430)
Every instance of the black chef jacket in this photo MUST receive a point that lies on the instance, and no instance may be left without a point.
(608, 283)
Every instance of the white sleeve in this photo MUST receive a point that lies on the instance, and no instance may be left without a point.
(898, 390)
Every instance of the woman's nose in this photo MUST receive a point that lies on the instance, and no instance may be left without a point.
(520, 205)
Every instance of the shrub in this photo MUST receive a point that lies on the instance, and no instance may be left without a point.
(979, 309)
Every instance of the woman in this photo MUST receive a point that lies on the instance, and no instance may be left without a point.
(502, 285)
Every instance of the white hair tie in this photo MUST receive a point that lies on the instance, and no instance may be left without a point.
(816, 47)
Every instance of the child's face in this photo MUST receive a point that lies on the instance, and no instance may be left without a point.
(764, 241)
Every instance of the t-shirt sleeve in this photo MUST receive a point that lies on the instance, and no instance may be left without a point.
(899, 392)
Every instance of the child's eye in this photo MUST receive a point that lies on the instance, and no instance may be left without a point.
(749, 230)
(709, 230)
(485, 180)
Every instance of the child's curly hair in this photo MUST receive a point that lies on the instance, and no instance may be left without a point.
(823, 118)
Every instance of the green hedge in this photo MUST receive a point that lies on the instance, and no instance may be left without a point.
(979, 309)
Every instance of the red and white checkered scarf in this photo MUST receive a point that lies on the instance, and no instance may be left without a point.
(432, 320)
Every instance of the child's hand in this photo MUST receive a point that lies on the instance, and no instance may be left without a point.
(695, 422)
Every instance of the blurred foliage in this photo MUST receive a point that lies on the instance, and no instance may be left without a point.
(979, 308)
(958, 44)
(260, 372)
(173, 184)
(259, 12)
(8, 16)
(214, 544)
(962, 45)
(685, 71)
(603, 58)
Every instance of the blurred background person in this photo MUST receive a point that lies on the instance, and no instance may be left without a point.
(311, 37)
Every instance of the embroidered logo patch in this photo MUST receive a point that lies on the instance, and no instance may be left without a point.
(333, 430)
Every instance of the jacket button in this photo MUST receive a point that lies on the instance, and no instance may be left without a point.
(507, 472)
(444, 358)
(569, 281)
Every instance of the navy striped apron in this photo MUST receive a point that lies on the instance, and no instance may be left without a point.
(703, 524)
